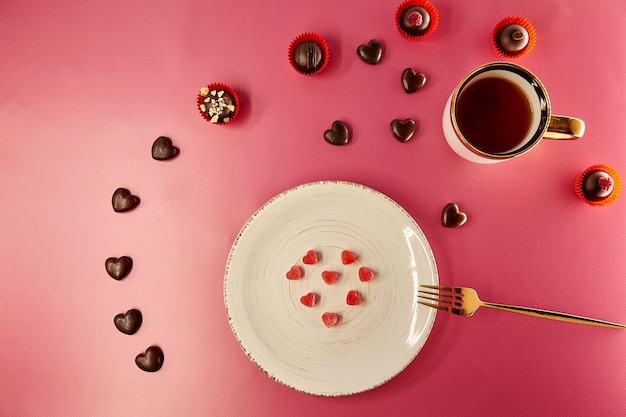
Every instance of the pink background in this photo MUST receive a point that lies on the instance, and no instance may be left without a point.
(86, 88)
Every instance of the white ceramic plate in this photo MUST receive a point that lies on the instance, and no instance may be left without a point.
(371, 342)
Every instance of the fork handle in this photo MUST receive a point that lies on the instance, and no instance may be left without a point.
(553, 315)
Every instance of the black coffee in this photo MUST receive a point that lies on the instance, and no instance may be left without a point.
(494, 115)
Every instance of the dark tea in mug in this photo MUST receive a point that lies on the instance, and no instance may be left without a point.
(494, 115)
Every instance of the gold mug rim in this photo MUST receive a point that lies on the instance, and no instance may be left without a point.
(544, 101)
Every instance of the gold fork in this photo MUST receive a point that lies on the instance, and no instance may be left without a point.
(464, 301)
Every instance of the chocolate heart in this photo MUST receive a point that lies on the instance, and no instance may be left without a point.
(151, 360)
(162, 149)
(412, 81)
(451, 216)
(402, 129)
(123, 200)
(370, 53)
(119, 268)
(338, 135)
(129, 322)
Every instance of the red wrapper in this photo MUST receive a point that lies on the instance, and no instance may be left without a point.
(430, 28)
(499, 50)
(218, 109)
(579, 188)
(323, 48)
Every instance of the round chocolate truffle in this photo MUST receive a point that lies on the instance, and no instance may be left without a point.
(414, 20)
(308, 57)
(512, 38)
(597, 185)
(218, 105)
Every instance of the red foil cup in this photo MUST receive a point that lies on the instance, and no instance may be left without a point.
(217, 119)
(309, 37)
(432, 11)
(502, 52)
(617, 185)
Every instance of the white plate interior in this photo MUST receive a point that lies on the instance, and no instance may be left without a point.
(372, 342)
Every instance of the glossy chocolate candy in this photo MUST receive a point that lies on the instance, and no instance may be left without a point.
(308, 57)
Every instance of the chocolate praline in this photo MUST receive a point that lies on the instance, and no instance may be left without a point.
(597, 185)
(414, 20)
(218, 105)
(512, 38)
(308, 57)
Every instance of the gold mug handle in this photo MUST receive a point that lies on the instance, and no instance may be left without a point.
(564, 127)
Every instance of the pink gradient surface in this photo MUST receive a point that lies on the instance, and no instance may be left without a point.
(88, 86)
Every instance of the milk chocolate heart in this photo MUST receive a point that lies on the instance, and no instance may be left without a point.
(412, 81)
(118, 268)
(151, 360)
(129, 322)
(123, 200)
(162, 149)
(402, 130)
(370, 53)
(451, 216)
(338, 134)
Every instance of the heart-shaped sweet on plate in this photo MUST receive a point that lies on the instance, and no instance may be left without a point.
(402, 130)
(129, 322)
(353, 298)
(295, 272)
(151, 360)
(347, 257)
(309, 299)
(310, 258)
(365, 274)
(412, 80)
(338, 134)
(451, 216)
(330, 319)
(370, 53)
(123, 200)
(330, 277)
(163, 149)
(118, 268)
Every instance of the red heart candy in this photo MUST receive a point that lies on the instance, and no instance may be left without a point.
(347, 257)
(294, 273)
(353, 298)
(330, 276)
(310, 258)
(309, 299)
(330, 319)
(365, 274)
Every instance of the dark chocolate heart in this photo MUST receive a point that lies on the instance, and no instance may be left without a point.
(119, 268)
(402, 129)
(129, 322)
(370, 53)
(451, 216)
(162, 149)
(151, 360)
(338, 135)
(123, 200)
(412, 81)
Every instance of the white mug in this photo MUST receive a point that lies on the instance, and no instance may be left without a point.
(500, 111)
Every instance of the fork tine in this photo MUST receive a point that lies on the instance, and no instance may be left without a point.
(440, 297)
(442, 308)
